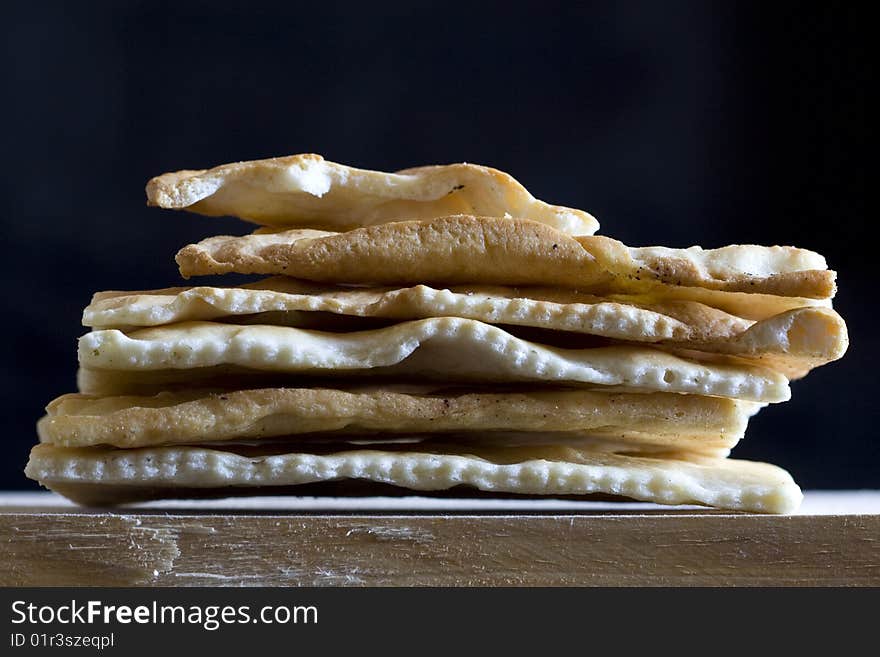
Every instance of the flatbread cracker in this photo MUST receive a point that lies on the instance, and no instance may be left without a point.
(792, 342)
(112, 476)
(550, 308)
(663, 421)
(467, 249)
(308, 191)
(745, 305)
(445, 348)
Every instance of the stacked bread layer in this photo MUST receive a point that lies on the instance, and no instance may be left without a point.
(435, 329)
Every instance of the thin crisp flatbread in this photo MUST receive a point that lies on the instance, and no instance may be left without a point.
(558, 309)
(108, 476)
(308, 191)
(657, 422)
(791, 342)
(466, 249)
(444, 348)
(744, 305)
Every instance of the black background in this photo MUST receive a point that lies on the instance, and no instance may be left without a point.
(674, 123)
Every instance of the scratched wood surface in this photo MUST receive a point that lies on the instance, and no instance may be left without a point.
(834, 540)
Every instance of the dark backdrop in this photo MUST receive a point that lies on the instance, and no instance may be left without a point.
(675, 123)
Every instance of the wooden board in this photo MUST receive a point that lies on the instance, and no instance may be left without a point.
(834, 540)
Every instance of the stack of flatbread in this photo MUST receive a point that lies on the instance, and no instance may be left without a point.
(435, 329)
